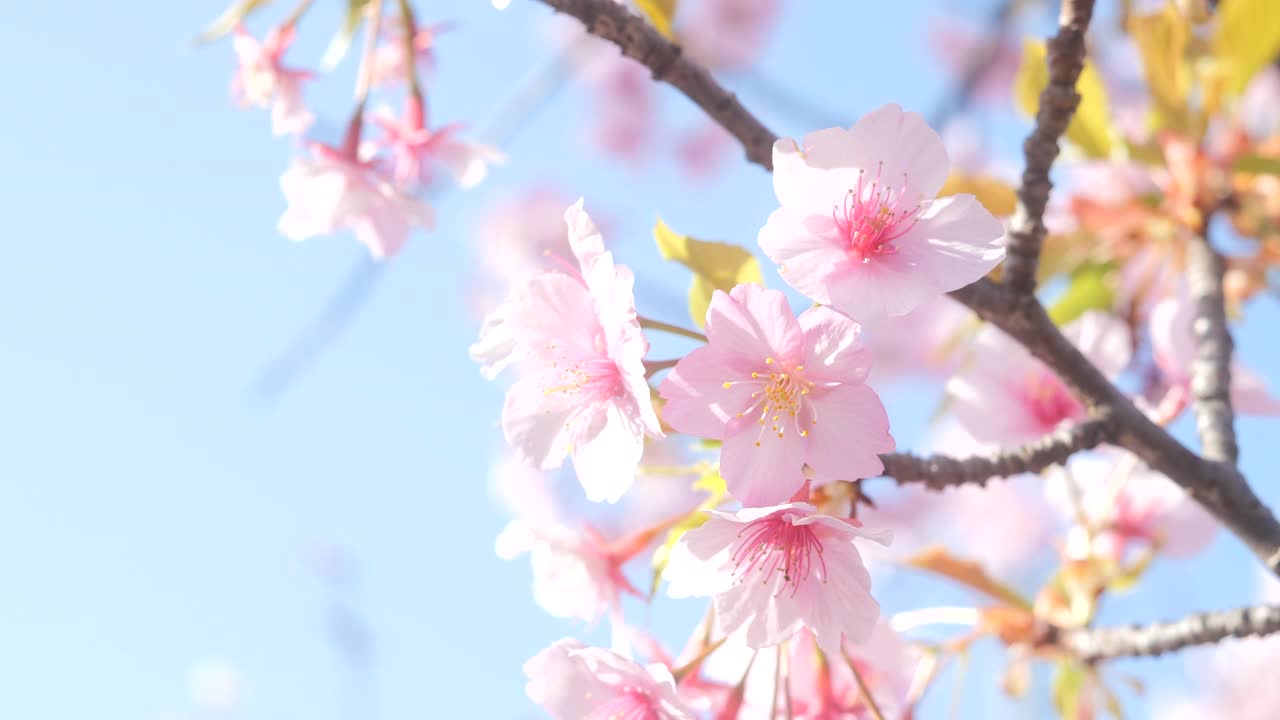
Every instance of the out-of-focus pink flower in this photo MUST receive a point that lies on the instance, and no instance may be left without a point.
(728, 34)
(261, 79)
(861, 227)
(781, 393)
(1236, 680)
(823, 687)
(417, 153)
(332, 190)
(703, 149)
(958, 47)
(624, 115)
(574, 682)
(389, 66)
(1174, 349)
(583, 392)
(520, 232)
(1125, 503)
(926, 341)
(1006, 396)
(774, 571)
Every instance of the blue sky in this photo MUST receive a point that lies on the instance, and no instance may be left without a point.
(154, 511)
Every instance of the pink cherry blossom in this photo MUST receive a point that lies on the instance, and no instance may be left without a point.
(729, 34)
(1006, 396)
(518, 232)
(924, 342)
(261, 79)
(333, 190)
(776, 570)
(389, 64)
(417, 153)
(781, 393)
(583, 391)
(957, 45)
(1126, 505)
(574, 682)
(625, 110)
(1174, 349)
(861, 227)
(826, 689)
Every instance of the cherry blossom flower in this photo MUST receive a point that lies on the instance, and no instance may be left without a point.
(262, 80)
(417, 153)
(518, 232)
(773, 571)
(574, 682)
(861, 227)
(389, 64)
(1126, 504)
(926, 341)
(583, 392)
(332, 190)
(1174, 349)
(781, 393)
(823, 687)
(728, 34)
(1006, 396)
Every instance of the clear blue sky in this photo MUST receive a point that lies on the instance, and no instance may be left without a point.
(152, 513)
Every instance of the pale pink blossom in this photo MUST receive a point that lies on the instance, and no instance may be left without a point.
(1174, 349)
(861, 227)
(417, 153)
(521, 232)
(624, 112)
(728, 34)
(583, 391)
(781, 392)
(1004, 395)
(1235, 679)
(1125, 504)
(774, 571)
(826, 689)
(389, 66)
(262, 79)
(332, 190)
(959, 46)
(574, 682)
(926, 341)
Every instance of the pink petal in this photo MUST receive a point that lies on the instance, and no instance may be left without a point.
(898, 144)
(1104, 339)
(852, 430)
(805, 253)
(764, 474)
(536, 424)
(698, 404)
(955, 242)
(606, 453)
(834, 348)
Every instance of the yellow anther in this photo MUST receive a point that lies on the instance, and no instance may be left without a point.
(768, 361)
(728, 385)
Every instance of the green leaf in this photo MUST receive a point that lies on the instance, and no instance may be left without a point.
(1245, 38)
(1068, 682)
(709, 482)
(341, 42)
(1257, 165)
(1090, 127)
(1162, 42)
(660, 14)
(997, 196)
(715, 266)
(229, 19)
(1090, 289)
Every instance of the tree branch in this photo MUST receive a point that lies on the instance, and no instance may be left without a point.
(1092, 644)
(1211, 372)
(938, 472)
(640, 41)
(1058, 102)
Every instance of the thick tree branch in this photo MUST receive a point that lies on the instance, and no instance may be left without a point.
(639, 40)
(1211, 372)
(1058, 102)
(1219, 487)
(938, 472)
(1092, 644)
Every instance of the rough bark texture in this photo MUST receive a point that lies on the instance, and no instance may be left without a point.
(1211, 372)
(1158, 638)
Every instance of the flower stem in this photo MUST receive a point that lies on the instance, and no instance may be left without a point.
(410, 29)
(862, 686)
(651, 324)
(298, 11)
(652, 367)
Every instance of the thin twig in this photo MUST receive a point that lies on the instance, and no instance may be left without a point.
(651, 324)
(1211, 371)
(1092, 644)
(1058, 102)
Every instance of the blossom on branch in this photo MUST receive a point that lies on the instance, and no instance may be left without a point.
(781, 392)
(262, 79)
(574, 682)
(861, 227)
(774, 571)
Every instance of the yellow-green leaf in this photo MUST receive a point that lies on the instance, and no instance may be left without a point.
(1257, 165)
(1090, 127)
(1068, 682)
(709, 482)
(341, 42)
(966, 572)
(1162, 41)
(997, 196)
(660, 14)
(229, 19)
(715, 266)
(1090, 289)
(1245, 38)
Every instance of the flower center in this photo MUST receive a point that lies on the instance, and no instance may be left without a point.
(630, 703)
(1050, 401)
(779, 400)
(583, 380)
(873, 216)
(775, 544)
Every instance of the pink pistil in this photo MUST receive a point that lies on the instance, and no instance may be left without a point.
(774, 544)
(870, 221)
